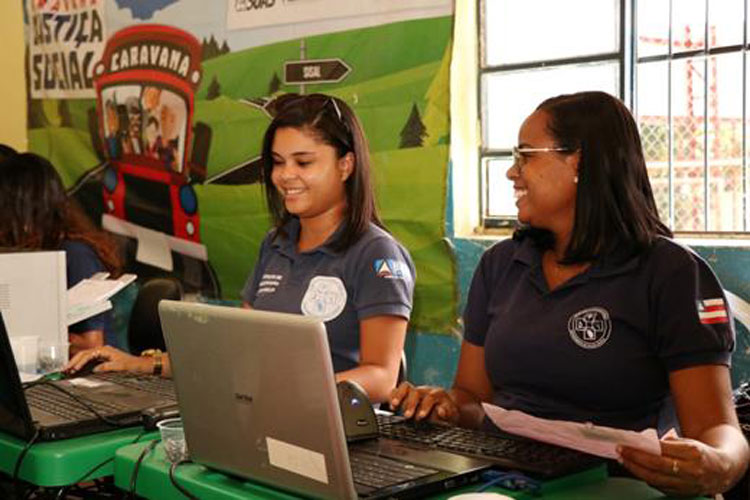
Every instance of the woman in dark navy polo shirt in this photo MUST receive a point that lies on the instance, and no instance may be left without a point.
(36, 214)
(591, 312)
(328, 255)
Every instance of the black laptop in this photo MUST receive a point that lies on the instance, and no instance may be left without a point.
(73, 407)
(258, 400)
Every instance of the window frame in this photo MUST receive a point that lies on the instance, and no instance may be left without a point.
(628, 62)
(486, 153)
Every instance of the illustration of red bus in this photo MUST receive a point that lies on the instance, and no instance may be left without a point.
(145, 85)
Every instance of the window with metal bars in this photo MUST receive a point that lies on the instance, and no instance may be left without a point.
(679, 64)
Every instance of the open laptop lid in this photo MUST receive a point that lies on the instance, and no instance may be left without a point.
(15, 417)
(241, 407)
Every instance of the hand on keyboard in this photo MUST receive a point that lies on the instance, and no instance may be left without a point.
(423, 402)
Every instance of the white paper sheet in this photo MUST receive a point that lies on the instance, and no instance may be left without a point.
(92, 290)
(597, 440)
(79, 312)
(153, 249)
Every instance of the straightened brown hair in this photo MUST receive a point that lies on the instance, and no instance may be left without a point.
(36, 213)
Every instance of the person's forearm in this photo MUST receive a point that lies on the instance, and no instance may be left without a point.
(377, 381)
(734, 447)
(470, 409)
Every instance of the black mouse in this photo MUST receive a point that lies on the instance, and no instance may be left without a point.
(86, 369)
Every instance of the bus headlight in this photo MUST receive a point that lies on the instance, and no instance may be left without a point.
(188, 199)
(110, 179)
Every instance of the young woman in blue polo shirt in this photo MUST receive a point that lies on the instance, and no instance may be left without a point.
(36, 214)
(328, 254)
(591, 312)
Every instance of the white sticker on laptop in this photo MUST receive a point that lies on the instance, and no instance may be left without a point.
(296, 459)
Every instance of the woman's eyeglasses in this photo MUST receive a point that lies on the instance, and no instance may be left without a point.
(521, 155)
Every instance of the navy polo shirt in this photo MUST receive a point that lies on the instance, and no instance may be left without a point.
(81, 263)
(599, 347)
(373, 277)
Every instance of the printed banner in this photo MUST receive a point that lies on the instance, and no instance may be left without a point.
(259, 13)
(66, 38)
(164, 151)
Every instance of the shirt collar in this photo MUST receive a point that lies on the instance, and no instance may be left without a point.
(530, 255)
(287, 236)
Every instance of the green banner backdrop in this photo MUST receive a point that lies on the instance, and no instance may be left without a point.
(93, 64)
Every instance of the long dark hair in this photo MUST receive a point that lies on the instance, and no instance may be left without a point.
(333, 122)
(36, 213)
(615, 208)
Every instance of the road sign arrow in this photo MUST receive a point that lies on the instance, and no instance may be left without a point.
(315, 71)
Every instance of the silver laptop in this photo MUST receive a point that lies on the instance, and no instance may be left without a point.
(258, 399)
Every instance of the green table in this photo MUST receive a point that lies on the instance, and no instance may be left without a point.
(61, 463)
(153, 482)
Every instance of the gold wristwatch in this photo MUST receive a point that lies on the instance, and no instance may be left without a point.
(156, 354)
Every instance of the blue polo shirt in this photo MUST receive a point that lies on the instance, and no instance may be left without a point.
(598, 348)
(81, 263)
(373, 277)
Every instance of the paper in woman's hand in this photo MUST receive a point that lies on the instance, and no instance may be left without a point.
(594, 439)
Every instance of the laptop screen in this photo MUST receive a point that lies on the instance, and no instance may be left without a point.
(257, 396)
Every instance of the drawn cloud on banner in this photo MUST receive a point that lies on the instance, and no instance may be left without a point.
(144, 10)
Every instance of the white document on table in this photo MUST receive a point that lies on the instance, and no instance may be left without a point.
(594, 439)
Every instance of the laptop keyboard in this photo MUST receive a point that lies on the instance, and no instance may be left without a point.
(380, 472)
(511, 452)
(50, 400)
(147, 383)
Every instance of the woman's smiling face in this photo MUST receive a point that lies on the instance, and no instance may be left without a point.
(308, 174)
(544, 182)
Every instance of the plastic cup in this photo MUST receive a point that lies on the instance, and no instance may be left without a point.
(52, 356)
(25, 352)
(173, 439)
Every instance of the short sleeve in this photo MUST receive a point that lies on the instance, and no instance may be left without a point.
(476, 318)
(382, 282)
(693, 324)
(81, 263)
(253, 280)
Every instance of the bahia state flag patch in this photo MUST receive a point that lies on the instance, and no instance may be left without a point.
(391, 268)
(712, 311)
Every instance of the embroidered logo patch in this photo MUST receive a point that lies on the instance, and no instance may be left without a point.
(325, 298)
(391, 268)
(590, 328)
